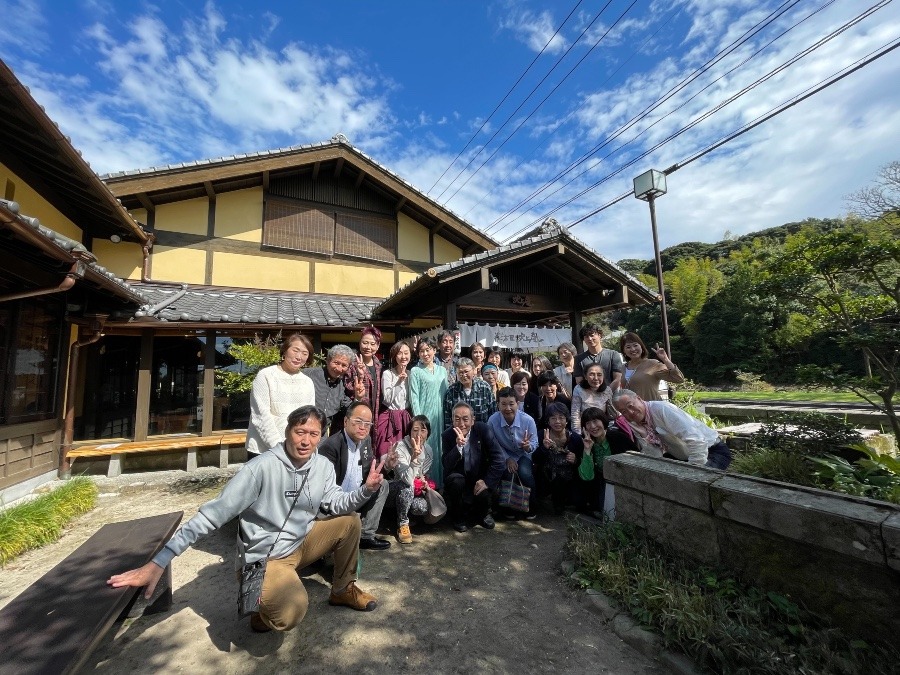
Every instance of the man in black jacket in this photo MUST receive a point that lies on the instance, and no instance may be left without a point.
(350, 452)
(473, 466)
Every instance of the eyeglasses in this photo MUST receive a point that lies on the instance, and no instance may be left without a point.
(360, 423)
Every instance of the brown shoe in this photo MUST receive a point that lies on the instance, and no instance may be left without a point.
(404, 536)
(353, 597)
(257, 625)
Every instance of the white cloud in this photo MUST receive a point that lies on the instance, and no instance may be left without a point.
(23, 27)
(534, 29)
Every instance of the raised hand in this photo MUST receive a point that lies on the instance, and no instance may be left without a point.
(460, 437)
(588, 444)
(570, 457)
(375, 479)
(401, 372)
(547, 442)
(526, 440)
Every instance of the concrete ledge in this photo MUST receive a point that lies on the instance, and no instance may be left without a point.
(890, 531)
(824, 519)
(680, 482)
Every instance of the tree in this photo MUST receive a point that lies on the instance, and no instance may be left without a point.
(880, 201)
(691, 284)
(848, 282)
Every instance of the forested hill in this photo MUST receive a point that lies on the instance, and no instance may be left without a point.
(722, 249)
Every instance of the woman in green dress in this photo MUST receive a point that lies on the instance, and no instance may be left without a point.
(427, 385)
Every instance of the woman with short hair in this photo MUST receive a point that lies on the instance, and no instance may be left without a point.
(363, 380)
(477, 355)
(414, 461)
(277, 391)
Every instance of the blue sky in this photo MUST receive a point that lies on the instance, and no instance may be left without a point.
(138, 84)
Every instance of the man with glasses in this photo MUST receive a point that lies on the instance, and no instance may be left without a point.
(473, 464)
(477, 393)
(351, 451)
(609, 359)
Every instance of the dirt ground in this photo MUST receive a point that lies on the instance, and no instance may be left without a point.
(481, 601)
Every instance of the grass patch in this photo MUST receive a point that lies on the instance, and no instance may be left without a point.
(41, 521)
(775, 465)
(723, 625)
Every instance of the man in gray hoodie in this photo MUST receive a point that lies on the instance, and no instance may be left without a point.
(261, 495)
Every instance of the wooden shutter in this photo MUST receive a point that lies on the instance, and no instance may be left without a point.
(365, 236)
(298, 228)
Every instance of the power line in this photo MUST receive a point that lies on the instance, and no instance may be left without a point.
(691, 77)
(803, 53)
(507, 95)
(525, 100)
(544, 100)
(834, 78)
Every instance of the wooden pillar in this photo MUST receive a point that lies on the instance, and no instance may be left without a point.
(575, 322)
(209, 383)
(142, 412)
(450, 316)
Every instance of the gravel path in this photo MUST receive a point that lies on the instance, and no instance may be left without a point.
(449, 603)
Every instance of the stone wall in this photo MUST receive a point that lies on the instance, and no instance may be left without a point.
(838, 555)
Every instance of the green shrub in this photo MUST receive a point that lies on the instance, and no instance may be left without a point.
(813, 434)
(787, 467)
(40, 521)
(874, 475)
(723, 625)
(752, 381)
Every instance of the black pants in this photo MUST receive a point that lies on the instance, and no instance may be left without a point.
(462, 503)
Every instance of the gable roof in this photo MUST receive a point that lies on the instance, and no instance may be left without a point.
(33, 147)
(144, 188)
(553, 252)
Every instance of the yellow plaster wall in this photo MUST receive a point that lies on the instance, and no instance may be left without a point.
(354, 280)
(444, 251)
(189, 216)
(139, 215)
(406, 277)
(187, 265)
(123, 259)
(412, 239)
(239, 215)
(250, 271)
(32, 204)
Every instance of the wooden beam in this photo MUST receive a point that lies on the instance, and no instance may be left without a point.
(338, 167)
(142, 406)
(560, 250)
(210, 191)
(265, 180)
(359, 180)
(438, 227)
(450, 316)
(209, 383)
(315, 171)
(400, 204)
(527, 303)
(600, 300)
(145, 202)
(575, 322)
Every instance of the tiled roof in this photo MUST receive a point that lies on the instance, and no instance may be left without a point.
(550, 231)
(216, 305)
(94, 271)
(336, 140)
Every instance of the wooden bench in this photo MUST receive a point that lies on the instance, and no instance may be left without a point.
(55, 624)
(117, 451)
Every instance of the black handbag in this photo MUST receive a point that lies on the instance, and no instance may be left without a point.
(253, 574)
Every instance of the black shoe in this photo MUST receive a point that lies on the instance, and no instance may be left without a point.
(487, 522)
(374, 544)
(460, 526)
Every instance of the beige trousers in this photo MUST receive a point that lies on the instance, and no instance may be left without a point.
(284, 600)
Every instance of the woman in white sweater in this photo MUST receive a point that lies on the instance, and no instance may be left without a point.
(277, 391)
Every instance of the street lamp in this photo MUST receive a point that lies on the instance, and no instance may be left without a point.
(648, 186)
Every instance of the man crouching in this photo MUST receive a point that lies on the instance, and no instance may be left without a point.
(261, 494)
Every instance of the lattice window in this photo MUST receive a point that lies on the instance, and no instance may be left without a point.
(298, 228)
(365, 236)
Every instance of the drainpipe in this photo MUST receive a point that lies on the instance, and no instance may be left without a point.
(74, 273)
(65, 466)
(145, 266)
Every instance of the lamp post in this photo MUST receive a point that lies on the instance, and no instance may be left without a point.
(648, 186)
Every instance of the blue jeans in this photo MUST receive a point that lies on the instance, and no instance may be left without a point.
(526, 475)
(719, 456)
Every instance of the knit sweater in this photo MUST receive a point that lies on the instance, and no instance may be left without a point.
(275, 395)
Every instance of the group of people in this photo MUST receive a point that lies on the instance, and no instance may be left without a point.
(336, 444)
